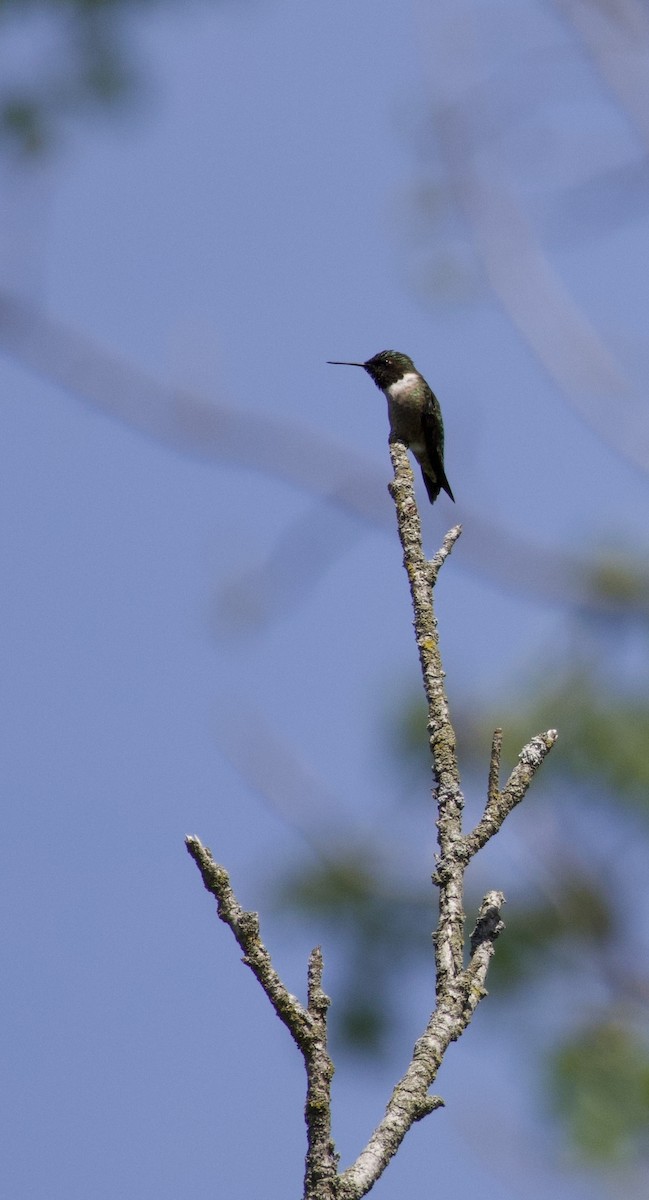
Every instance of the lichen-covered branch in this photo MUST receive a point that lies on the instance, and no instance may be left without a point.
(460, 986)
(493, 789)
(321, 1171)
(308, 1026)
(410, 1100)
(245, 927)
(449, 938)
(500, 803)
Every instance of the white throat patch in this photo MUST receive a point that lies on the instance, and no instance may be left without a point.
(405, 384)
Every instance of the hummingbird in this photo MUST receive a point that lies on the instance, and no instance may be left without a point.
(414, 413)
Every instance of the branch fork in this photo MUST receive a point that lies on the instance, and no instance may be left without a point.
(459, 987)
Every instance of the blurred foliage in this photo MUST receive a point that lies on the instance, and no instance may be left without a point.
(380, 927)
(604, 739)
(553, 931)
(599, 1081)
(567, 922)
(615, 578)
(63, 58)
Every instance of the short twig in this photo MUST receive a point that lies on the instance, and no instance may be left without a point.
(500, 804)
(493, 791)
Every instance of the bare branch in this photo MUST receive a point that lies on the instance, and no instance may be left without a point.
(500, 804)
(459, 989)
(493, 790)
(529, 761)
(408, 1103)
(307, 1026)
(245, 927)
(321, 1159)
(438, 560)
(448, 794)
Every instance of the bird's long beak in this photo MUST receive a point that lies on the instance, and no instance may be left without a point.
(332, 363)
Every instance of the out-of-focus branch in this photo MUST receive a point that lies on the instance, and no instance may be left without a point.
(538, 302)
(204, 428)
(527, 284)
(617, 36)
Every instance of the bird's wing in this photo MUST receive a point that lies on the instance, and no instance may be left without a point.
(434, 436)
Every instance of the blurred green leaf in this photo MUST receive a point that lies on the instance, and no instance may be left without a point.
(23, 121)
(604, 743)
(578, 916)
(83, 58)
(380, 928)
(622, 582)
(599, 1082)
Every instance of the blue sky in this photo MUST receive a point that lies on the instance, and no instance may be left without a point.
(252, 216)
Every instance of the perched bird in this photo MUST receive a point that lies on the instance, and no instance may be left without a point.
(414, 412)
